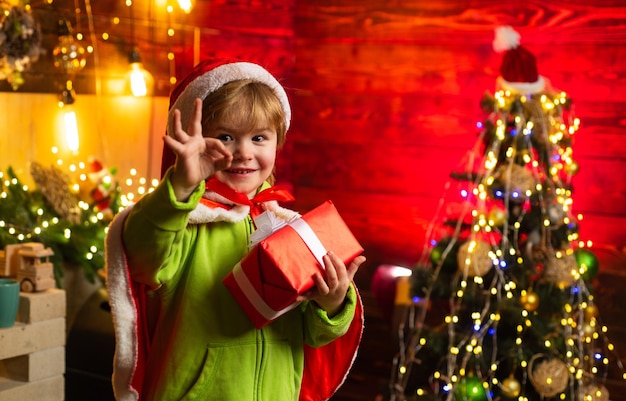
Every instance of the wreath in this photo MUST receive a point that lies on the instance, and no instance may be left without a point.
(20, 42)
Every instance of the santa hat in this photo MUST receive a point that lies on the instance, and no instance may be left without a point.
(518, 71)
(206, 77)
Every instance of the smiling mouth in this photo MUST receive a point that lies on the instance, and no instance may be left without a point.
(240, 171)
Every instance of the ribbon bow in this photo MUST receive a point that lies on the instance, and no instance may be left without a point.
(277, 193)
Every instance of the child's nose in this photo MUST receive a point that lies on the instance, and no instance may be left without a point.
(243, 150)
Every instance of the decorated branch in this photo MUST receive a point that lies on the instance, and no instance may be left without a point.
(68, 215)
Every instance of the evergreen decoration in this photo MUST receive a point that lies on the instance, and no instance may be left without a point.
(61, 214)
(504, 301)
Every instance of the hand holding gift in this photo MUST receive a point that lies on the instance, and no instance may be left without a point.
(293, 263)
(330, 291)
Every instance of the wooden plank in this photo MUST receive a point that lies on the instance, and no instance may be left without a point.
(413, 118)
(600, 185)
(374, 167)
(605, 230)
(442, 23)
(436, 121)
(381, 68)
(242, 16)
(401, 169)
(462, 68)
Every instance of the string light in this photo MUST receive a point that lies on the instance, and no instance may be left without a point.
(541, 183)
(185, 5)
(93, 216)
(140, 81)
(66, 101)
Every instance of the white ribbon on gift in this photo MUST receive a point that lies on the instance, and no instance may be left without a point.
(316, 247)
(266, 223)
(311, 240)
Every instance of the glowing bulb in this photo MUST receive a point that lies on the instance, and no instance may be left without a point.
(66, 100)
(185, 5)
(140, 79)
(137, 80)
(71, 128)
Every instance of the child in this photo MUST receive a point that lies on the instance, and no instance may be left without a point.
(179, 332)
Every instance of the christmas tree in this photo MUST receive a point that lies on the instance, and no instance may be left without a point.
(502, 303)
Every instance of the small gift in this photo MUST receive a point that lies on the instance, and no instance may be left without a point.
(281, 266)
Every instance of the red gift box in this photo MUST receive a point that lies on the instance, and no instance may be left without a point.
(268, 280)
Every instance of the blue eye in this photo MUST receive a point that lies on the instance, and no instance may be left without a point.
(224, 137)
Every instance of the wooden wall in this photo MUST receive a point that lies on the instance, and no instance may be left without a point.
(31, 125)
(385, 94)
(386, 99)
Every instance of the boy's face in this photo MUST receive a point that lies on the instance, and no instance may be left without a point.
(254, 155)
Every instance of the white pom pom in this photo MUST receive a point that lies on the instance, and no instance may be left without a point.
(506, 39)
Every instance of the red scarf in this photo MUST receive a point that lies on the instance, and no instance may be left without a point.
(277, 193)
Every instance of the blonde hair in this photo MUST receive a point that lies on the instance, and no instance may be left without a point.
(248, 103)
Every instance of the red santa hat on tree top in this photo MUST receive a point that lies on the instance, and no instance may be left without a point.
(518, 72)
(208, 76)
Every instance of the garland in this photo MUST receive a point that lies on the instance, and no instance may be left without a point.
(70, 218)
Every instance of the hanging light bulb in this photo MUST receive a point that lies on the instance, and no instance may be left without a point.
(69, 55)
(66, 101)
(185, 5)
(140, 80)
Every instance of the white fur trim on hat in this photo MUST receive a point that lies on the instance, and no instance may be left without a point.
(213, 79)
(521, 87)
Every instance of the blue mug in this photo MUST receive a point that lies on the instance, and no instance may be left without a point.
(9, 301)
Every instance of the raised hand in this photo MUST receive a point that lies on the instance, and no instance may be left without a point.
(197, 157)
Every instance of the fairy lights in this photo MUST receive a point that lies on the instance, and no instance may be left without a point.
(97, 195)
(518, 203)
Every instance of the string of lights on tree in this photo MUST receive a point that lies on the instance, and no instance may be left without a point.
(501, 303)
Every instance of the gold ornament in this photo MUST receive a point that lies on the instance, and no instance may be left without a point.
(588, 330)
(561, 270)
(571, 167)
(555, 213)
(530, 301)
(511, 387)
(516, 178)
(594, 392)
(549, 377)
(473, 258)
(497, 216)
(591, 311)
